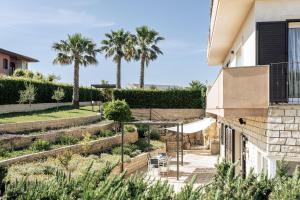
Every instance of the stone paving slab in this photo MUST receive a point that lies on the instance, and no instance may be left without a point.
(201, 166)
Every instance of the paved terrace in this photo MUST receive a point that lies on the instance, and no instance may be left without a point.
(199, 165)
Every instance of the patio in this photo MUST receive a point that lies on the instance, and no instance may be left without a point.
(195, 163)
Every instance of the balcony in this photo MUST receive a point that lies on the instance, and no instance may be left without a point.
(239, 92)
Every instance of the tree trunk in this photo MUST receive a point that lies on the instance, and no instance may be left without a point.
(142, 72)
(76, 86)
(119, 73)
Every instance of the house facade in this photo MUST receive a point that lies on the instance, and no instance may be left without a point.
(256, 95)
(10, 61)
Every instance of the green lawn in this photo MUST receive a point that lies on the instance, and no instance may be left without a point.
(63, 112)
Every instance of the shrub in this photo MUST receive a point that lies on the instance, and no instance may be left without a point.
(129, 149)
(154, 134)
(10, 86)
(162, 98)
(40, 145)
(27, 95)
(129, 128)
(67, 140)
(58, 95)
(107, 133)
(3, 152)
(142, 144)
(118, 111)
(142, 129)
(19, 73)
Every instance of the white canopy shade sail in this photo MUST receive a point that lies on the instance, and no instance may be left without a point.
(195, 127)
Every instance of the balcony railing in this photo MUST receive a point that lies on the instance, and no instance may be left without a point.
(285, 82)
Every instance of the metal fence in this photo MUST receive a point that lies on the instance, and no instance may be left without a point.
(285, 82)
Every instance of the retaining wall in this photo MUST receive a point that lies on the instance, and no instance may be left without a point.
(95, 146)
(47, 124)
(168, 114)
(9, 141)
(138, 162)
(11, 108)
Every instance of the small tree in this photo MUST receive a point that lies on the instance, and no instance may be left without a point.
(53, 78)
(117, 110)
(27, 95)
(58, 95)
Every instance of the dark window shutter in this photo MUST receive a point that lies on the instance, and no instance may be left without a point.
(272, 43)
(272, 49)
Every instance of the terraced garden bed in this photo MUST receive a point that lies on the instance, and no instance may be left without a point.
(17, 141)
(76, 164)
(43, 149)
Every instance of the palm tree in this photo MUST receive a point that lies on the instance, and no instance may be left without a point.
(118, 44)
(77, 50)
(147, 49)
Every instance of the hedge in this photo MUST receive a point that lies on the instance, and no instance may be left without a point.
(161, 98)
(10, 87)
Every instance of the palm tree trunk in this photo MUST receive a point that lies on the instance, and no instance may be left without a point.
(76, 86)
(142, 72)
(119, 73)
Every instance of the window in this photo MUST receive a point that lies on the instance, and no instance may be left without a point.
(5, 63)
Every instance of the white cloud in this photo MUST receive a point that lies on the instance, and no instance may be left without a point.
(50, 16)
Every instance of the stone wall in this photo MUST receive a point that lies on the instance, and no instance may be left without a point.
(255, 129)
(137, 163)
(11, 108)
(284, 131)
(47, 124)
(88, 148)
(277, 134)
(8, 141)
(188, 141)
(168, 114)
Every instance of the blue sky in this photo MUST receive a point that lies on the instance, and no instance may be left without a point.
(30, 27)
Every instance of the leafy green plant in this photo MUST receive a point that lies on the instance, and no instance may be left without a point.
(128, 149)
(10, 86)
(129, 128)
(27, 95)
(154, 134)
(3, 152)
(107, 133)
(117, 110)
(67, 140)
(176, 98)
(40, 145)
(58, 95)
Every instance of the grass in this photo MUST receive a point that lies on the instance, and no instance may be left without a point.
(63, 112)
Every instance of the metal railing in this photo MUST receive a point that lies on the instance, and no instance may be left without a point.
(285, 82)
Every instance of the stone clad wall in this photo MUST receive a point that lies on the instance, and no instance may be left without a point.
(284, 131)
(90, 147)
(255, 129)
(278, 134)
(47, 124)
(22, 141)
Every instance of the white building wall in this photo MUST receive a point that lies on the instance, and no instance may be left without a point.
(245, 43)
(276, 10)
(262, 11)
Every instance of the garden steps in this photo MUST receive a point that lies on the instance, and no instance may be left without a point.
(94, 146)
(17, 141)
